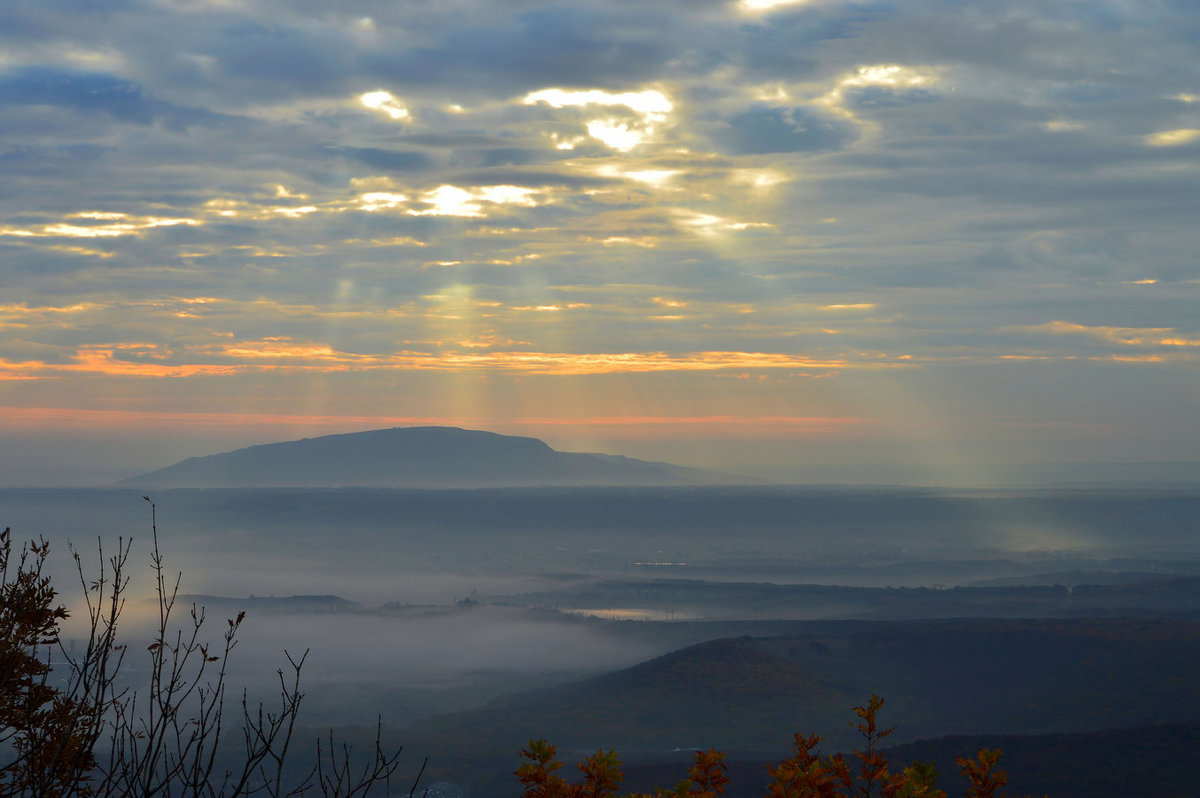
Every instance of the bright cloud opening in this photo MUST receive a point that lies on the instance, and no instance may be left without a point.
(761, 6)
(448, 200)
(893, 76)
(283, 192)
(655, 177)
(385, 103)
(651, 106)
(115, 225)
(615, 135)
(709, 224)
(889, 75)
(566, 143)
(514, 195)
(380, 200)
(651, 102)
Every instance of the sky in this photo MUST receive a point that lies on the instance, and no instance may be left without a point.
(775, 237)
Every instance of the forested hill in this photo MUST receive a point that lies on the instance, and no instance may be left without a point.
(939, 677)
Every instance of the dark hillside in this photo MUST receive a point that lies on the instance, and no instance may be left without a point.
(1147, 761)
(699, 696)
(939, 678)
(1141, 762)
(415, 456)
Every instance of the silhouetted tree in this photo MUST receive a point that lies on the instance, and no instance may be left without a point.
(69, 730)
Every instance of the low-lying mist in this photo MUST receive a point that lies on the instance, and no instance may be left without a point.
(453, 655)
(377, 546)
(440, 611)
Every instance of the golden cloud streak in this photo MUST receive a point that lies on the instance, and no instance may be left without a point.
(613, 363)
(1126, 336)
(1132, 358)
(20, 370)
(1172, 138)
(555, 363)
(447, 200)
(101, 360)
(23, 309)
(443, 200)
(285, 355)
(76, 250)
(272, 349)
(109, 225)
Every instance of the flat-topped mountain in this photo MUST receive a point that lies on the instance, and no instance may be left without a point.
(417, 457)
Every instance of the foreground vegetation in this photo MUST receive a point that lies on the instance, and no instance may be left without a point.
(75, 728)
(805, 774)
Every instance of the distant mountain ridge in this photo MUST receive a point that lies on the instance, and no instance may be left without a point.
(418, 457)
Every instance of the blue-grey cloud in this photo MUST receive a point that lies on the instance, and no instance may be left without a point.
(568, 46)
(99, 94)
(382, 159)
(886, 97)
(763, 130)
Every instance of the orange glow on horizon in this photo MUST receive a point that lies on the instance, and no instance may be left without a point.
(695, 420)
(24, 418)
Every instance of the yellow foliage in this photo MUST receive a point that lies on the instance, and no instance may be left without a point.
(804, 774)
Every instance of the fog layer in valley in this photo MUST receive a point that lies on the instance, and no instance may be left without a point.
(413, 603)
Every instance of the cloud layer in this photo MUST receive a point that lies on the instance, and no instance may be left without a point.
(956, 220)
